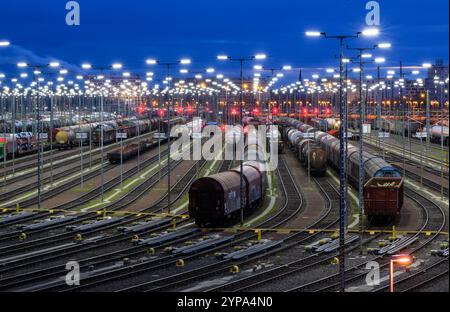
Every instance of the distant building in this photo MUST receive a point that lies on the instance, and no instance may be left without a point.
(437, 82)
(413, 90)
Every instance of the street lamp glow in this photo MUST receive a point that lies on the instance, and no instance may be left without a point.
(198, 76)
(79, 77)
(415, 72)
(117, 66)
(4, 43)
(2, 75)
(391, 72)
(222, 57)
(287, 67)
(149, 74)
(185, 61)
(366, 55)
(380, 60)
(370, 32)
(210, 70)
(427, 65)
(313, 33)
(260, 56)
(345, 60)
(126, 74)
(23, 75)
(54, 64)
(151, 61)
(86, 66)
(315, 76)
(279, 75)
(402, 260)
(183, 71)
(257, 74)
(330, 70)
(22, 64)
(219, 76)
(257, 67)
(356, 70)
(369, 77)
(63, 71)
(384, 45)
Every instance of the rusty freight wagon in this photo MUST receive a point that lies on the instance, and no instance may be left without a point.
(129, 151)
(383, 196)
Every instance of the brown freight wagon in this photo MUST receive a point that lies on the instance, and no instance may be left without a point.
(216, 198)
(383, 196)
(129, 151)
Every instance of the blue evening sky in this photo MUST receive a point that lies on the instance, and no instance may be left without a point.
(131, 31)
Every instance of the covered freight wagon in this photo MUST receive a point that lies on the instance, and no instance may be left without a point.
(214, 199)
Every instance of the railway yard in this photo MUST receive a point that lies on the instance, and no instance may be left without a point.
(133, 241)
(241, 177)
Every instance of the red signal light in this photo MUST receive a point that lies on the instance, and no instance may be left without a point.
(275, 110)
(161, 113)
(180, 109)
(234, 111)
(305, 111)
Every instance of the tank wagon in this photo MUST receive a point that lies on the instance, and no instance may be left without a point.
(274, 135)
(374, 167)
(68, 137)
(216, 200)
(439, 132)
(310, 154)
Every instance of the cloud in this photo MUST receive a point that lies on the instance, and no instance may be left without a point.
(15, 53)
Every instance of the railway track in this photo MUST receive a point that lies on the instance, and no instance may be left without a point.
(328, 219)
(121, 203)
(15, 281)
(430, 162)
(44, 181)
(62, 160)
(39, 275)
(136, 269)
(91, 195)
(426, 182)
(293, 204)
(420, 278)
(435, 220)
(433, 185)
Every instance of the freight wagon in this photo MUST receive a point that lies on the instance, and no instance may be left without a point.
(129, 151)
(373, 166)
(216, 200)
(383, 197)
